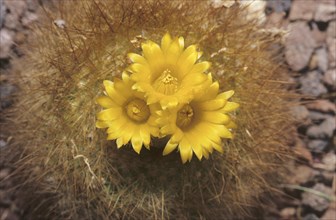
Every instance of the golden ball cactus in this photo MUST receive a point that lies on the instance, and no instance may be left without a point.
(79, 174)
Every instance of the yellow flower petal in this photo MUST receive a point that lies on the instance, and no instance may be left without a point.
(226, 95)
(120, 142)
(169, 148)
(102, 124)
(231, 124)
(215, 117)
(200, 67)
(105, 102)
(224, 132)
(165, 42)
(212, 105)
(122, 89)
(115, 96)
(205, 153)
(195, 141)
(187, 60)
(173, 52)
(230, 106)
(176, 137)
(136, 58)
(128, 133)
(185, 149)
(112, 136)
(109, 114)
(167, 129)
(140, 68)
(145, 135)
(217, 147)
(181, 43)
(136, 142)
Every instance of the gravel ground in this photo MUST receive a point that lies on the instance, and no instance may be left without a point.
(310, 52)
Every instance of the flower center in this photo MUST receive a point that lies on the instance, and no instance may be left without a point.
(166, 83)
(137, 110)
(184, 116)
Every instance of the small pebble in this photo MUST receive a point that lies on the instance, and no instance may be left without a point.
(329, 160)
(325, 12)
(299, 45)
(317, 202)
(323, 130)
(6, 41)
(28, 18)
(317, 117)
(2, 13)
(317, 146)
(322, 59)
(6, 90)
(331, 42)
(300, 10)
(302, 174)
(331, 32)
(311, 84)
(310, 217)
(287, 212)
(329, 78)
(319, 36)
(300, 113)
(322, 105)
(3, 143)
(59, 23)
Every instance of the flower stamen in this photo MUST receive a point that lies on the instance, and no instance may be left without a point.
(185, 116)
(137, 110)
(166, 83)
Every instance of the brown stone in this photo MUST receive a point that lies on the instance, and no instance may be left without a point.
(323, 130)
(330, 213)
(275, 20)
(6, 41)
(329, 160)
(329, 78)
(319, 36)
(12, 21)
(28, 18)
(302, 174)
(322, 59)
(302, 10)
(300, 113)
(313, 62)
(317, 202)
(325, 12)
(2, 13)
(16, 9)
(301, 151)
(300, 45)
(287, 213)
(327, 2)
(322, 105)
(331, 32)
(311, 84)
(332, 52)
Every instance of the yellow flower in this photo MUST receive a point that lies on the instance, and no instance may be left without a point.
(199, 125)
(127, 115)
(168, 74)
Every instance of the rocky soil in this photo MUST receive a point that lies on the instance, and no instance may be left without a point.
(310, 52)
(310, 49)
